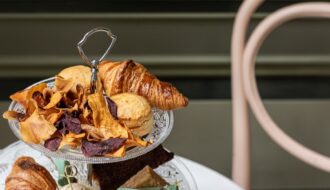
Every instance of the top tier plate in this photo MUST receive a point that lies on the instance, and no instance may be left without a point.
(163, 124)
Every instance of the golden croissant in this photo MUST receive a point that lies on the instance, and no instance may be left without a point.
(128, 76)
(28, 175)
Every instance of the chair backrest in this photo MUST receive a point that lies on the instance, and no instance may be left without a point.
(245, 87)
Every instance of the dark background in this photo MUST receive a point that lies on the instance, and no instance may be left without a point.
(120, 6)
(38, 38)
(196, 87)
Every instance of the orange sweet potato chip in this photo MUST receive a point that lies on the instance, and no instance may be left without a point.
(47, 93)
(81, 97)
(63, 85)
(37, 88)
(54, 100)
(20, 97)
(102, 118)
(93, 133)
(36, 129)
(72, 140)
(52, 115)
(13, 115)
(23, 97)
(97, 133)
(134, 140)
(32, 106)
(118, 153)
(86, 113)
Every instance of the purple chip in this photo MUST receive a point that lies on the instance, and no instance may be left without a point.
(101, 148)
(53, 143)
(112, 107)
(60, 127)
(68, 123)
(72, 124)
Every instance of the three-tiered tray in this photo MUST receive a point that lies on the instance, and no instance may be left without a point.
(173, 171)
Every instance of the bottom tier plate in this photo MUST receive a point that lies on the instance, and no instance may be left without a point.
(172, 171)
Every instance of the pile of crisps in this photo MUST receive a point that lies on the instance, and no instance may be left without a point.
(69, 115)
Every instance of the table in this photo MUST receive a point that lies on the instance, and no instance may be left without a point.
(205, 178)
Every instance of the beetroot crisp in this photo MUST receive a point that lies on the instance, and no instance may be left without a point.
(68, 123)
(101, 148)
(112, 107)
(53, 143)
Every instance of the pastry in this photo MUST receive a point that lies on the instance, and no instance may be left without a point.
(128, 76)
(28, 175)
(78, 74)
(134, 112)
(113, 175)
(145, 178)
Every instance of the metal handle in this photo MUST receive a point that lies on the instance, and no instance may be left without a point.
(87, 35)
(94, 63)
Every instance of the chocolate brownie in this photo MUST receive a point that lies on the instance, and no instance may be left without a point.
(113, 175)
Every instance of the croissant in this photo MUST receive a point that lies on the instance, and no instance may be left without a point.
(128, 76)
(28, 175)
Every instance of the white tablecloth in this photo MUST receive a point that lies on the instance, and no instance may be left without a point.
(208, 179)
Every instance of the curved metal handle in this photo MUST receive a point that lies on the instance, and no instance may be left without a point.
(87, 35)
(94, 63)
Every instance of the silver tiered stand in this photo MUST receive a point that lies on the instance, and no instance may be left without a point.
(173, 171)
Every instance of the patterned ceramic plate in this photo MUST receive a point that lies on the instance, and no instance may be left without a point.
(173, 171)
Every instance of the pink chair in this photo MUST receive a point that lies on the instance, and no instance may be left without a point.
(245, 91)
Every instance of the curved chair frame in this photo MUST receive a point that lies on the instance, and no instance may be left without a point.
(244, 82)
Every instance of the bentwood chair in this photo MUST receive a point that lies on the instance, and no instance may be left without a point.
(245, 90)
